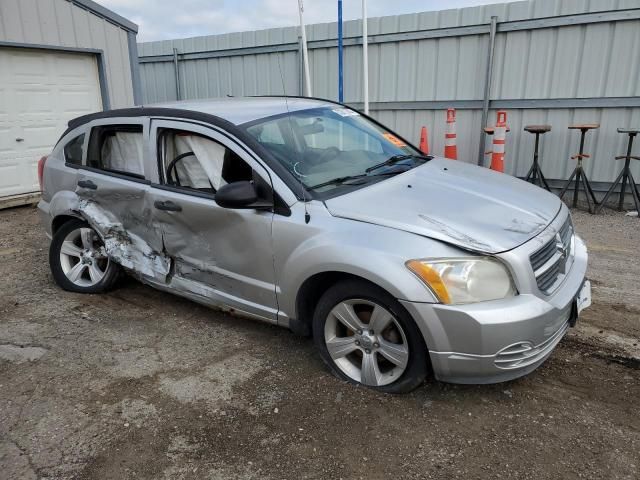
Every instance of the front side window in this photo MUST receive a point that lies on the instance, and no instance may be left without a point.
(192, 161)
(74, 151)
(117, 149)
(333, 147)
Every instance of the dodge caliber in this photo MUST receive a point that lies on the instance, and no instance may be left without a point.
(308, 214)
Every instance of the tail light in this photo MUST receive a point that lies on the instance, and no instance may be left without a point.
(41, 163)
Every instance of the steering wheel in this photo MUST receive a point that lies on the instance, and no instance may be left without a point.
(328, 154)
(172, 167)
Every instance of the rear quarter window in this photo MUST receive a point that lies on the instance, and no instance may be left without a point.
(74, 151)
(117, 149)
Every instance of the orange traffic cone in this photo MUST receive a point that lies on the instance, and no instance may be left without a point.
(450, 148)
(424, 141)
(490, 131)
(499, 137)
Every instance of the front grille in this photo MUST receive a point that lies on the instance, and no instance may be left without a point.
(543, 255)
(546, 279)
(549, 262)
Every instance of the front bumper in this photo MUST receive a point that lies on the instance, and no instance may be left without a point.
(500, 340)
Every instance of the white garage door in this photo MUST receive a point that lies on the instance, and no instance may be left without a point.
(40, 91)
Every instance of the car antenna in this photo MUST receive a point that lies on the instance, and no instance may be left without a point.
(307, 216)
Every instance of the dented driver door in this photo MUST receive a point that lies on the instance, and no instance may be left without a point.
(220, 257)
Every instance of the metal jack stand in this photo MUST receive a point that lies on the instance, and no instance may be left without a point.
(625, 175)
(579, 173)
(535, 172)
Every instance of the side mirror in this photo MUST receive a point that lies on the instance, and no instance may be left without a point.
(241, 194)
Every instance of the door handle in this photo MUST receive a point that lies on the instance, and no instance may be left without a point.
(87, 184)
(19, 139)
(168, 206)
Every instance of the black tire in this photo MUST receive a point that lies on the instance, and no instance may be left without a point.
(417, 366)
(112, 271)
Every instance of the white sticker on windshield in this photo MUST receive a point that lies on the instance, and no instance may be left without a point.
(345, 112)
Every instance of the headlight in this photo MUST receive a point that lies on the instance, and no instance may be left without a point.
(464, 280)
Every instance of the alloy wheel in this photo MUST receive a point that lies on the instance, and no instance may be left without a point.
(82, 257)
(366, 342)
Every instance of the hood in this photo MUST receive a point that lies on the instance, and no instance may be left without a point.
(468, 206)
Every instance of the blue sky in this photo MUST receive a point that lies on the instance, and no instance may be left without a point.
(166, 19)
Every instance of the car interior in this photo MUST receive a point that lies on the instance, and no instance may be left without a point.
(196, 162)
(118, 149)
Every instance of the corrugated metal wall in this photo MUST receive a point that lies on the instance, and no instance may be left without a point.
(420, 62)
(62, 23)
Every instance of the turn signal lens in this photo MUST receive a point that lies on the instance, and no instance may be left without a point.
(464, 280)
(431, 277)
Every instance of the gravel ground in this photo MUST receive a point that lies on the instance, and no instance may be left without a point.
(142, 384)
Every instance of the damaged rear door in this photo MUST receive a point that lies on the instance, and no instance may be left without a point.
(220, 256)
(112, 191)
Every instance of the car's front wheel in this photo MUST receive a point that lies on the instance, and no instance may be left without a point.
(78, 261)
(366, 337)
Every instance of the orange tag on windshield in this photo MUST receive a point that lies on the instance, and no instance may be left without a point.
(394, 140)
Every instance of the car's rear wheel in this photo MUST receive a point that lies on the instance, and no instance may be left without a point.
(366, 337)
(78, 261)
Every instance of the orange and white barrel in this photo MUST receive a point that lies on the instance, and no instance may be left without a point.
(499, 140)
(450, 148)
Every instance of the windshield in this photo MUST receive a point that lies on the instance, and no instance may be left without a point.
(331, 147)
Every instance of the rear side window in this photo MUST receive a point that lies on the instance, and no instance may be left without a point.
(117, 149)
(74, 150)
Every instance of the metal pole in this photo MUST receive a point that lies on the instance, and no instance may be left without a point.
(365, 58)
(300, 68)
(340, 72)
(487, 86)
(305, 52)
(627, 161)
(177, 73)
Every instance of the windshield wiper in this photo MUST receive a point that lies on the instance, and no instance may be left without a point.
(395, 159)
(341, 180)
(389, 161)
(337, 181)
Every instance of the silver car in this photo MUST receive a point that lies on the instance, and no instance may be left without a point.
(310, 215)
